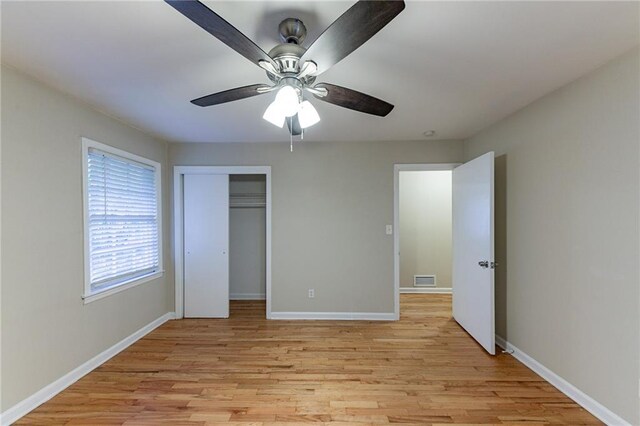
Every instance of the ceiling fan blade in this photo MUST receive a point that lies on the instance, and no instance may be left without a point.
(215, 25)
(351, 99)
(229, 95)
(294, 125)
(350, 31)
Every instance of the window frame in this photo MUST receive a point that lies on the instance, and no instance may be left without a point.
(90, 295)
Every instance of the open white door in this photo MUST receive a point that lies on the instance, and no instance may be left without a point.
(206, 246)
(473, 262)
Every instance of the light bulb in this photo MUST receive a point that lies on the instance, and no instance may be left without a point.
(287, 99)
(274, 115)
(307, 115)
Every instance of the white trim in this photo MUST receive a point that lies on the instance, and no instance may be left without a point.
(343, 316)
(581, 398)
(178, 226)
(46, 393)
(397, 168)
(88, 294)
(122, 287)
(178, 249)
(426, 290)
(247, 296)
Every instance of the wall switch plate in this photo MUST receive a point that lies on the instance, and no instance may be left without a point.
(312, 293)
(389, 229)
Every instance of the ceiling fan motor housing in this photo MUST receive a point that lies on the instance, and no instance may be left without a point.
(287, 56)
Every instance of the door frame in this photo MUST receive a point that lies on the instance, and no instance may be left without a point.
(397, 168)
(178, 223)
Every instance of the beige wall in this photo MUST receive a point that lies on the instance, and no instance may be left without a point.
(568, 218)
(330, 205)
(425, 226)
(47, 331)
(247, 240)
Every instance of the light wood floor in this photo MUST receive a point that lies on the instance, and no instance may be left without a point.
(423, 370)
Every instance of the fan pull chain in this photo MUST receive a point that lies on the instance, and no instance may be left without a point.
(291, 136)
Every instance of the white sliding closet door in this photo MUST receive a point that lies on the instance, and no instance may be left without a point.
(206, 246)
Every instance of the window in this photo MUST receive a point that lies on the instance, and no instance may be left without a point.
(122, 218)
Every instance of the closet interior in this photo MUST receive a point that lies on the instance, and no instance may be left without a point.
(247, 237)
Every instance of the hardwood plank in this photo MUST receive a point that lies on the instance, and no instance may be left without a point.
(423, 369)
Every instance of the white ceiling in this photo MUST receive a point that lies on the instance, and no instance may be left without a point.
(454, 67)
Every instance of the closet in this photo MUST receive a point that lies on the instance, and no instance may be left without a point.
(247, 237)
(225, 239)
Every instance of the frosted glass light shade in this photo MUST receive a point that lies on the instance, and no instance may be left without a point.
(287, 100)
(307, 115)
(274, 115)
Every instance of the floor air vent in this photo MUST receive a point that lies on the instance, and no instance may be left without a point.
(424, 280)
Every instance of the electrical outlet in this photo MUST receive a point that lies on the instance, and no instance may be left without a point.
(389, 229)
(312, 293)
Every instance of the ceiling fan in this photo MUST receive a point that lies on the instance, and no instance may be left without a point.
(292, 68)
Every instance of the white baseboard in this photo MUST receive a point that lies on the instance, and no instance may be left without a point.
(43, 395)
(427, 290)
(341, 316)
(581, 398)
(247, 296)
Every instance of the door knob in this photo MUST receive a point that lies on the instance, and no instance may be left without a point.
(484, 263)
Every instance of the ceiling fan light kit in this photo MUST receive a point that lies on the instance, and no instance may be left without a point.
(292, 68)
(288, 103)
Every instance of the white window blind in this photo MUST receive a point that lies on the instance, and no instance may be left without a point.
(122, 210)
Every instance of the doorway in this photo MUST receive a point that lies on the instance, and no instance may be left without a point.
(222, 231)
(425, 231)
(423, 224)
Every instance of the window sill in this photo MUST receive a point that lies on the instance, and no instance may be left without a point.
(88, 298)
